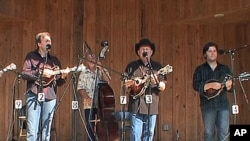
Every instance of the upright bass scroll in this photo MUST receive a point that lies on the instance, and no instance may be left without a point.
(104, 44)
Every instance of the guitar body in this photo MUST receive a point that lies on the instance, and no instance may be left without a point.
(211, 93)
(135, 89)
(47, 81)
(138, 85)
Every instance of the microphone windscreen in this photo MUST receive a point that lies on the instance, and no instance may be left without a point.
(48, 46)
(144, 54)
(222, 51)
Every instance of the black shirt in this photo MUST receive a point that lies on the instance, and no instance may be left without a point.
(204, 73)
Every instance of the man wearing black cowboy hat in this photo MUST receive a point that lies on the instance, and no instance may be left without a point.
(144, 85)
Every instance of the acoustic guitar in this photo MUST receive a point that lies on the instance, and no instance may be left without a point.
(211, 92)
(138, 85)
(46, 81)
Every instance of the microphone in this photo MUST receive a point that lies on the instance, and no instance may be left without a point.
(48, 46)
(145, 54)
(246, 46)
(244, 74)
(221, 51)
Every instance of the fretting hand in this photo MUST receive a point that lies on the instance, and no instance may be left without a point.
(99, 66)
(161, 86)
(229, 84)
(154, 79)
(65, 73)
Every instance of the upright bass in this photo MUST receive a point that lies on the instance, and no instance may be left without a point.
(107, 127)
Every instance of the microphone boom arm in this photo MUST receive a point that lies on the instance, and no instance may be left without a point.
(232, 51)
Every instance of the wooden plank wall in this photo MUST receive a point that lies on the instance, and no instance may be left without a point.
(179, 29)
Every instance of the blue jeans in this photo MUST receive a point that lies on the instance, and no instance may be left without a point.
(35, 111)
(216, 120)
(139, 127)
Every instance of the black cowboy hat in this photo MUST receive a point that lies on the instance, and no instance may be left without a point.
(145, 42)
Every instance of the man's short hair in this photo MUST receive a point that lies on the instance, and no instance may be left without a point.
(210, 44)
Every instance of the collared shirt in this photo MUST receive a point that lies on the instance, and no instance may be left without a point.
(202, 75)
(32, 68)
(87, 81)
(139, 105)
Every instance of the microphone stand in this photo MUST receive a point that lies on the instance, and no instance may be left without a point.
(18, 91)
(73, 80)
(11, 128)
(94, 102)
(40, 90)
(124, 77)
(244, 92)
(55, 108)
(150, 91)
(233, 88)
(232, 53)
(89, 120)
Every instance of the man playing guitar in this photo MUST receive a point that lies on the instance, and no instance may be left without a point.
(144, 112)
(38, 66)
(214, 103)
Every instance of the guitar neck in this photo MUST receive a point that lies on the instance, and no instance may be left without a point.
(56, 72)
(9, 67)
(165, 70)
